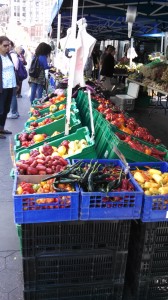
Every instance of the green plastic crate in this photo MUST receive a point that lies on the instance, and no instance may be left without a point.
(56, 114)
(46, 110)
(160, 147)
(19, 232)
(35, 102)
(81, 133)
(49, 130)
(103, 142)
(130, 154)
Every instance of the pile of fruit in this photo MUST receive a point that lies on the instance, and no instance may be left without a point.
(39, 164)
(141, 147)
(44, 122)
(46, 102)
(127, 125)
(44, 187)
(48, 159)
(36, 114)
(152, 181)
(28, 139)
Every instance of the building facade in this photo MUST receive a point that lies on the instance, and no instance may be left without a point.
(33, 15)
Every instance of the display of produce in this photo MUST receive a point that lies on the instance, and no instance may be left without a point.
(95, 177)
(134, 144)
(153, 74)
(153, 181)
(36, 163)
(48, 159)
(48, 188)
(44, 122)
(36, 114)
(126, 124)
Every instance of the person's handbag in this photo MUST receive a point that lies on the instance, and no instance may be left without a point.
(21, 72)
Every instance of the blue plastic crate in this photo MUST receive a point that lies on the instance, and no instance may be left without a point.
(154, 208)
(122, 205)
(26, 210)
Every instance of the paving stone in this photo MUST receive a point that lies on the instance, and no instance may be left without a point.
(4, 296)
(2, 263)
(10, 279)
(6, 253)
(8, 235)
(16, 294)
(14, 261)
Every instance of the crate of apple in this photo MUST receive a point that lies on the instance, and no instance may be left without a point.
(28, 139)
(48, 159)
(36, 163)
(46, 121)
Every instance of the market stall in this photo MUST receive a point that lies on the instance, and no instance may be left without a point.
(90, 194)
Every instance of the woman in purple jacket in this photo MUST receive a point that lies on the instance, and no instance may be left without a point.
(37, 84)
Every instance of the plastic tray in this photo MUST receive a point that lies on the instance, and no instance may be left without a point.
(49, 130)
(74, 268)
(83, 292)
(81, 133)
(26, 210)
(127, 206)
(154, 208)
(50, 238)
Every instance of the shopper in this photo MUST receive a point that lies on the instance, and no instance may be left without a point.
(20, 52)
(7, 83)
(103, 55)
(13, 114)
(108, 67)
(42, 52)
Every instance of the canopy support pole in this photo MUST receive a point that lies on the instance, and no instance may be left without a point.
(162, 40)
(58, 30)
(72, 66)
(131, 46)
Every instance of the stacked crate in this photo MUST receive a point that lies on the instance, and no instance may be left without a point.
(147, 265)
(74, 260)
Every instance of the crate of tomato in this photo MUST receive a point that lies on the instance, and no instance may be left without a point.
(39, 199)
(106, 192)
(136, 150)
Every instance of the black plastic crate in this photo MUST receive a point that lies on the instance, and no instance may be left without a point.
(100, 292)
(146, 256)
(75, 269)
(152, 237)
(50, 238)
(147, 259)
(155, 288)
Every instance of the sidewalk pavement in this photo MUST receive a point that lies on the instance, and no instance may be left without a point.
(11, 281)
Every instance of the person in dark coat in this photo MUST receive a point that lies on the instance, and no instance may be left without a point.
(108, 67)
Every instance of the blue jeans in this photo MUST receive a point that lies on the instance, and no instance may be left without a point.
(14, 105)
(36, 91)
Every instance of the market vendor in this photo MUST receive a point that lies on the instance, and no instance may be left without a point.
(108, 67)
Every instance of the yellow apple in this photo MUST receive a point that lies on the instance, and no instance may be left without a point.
(38, 138)
(62, 150)
(24, 156)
